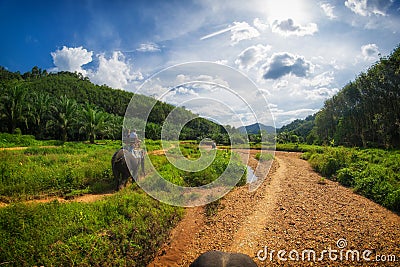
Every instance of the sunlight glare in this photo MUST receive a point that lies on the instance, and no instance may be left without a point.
(285, 9)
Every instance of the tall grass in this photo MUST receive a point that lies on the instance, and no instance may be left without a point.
(373, 173)
(297, 147)
(20, 140)
(26, 174)
(198, 178)
(125, 229)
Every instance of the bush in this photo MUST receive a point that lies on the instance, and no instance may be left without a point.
(324, 164)
(393, 200)
(346, 177)
(14, 140)
(374, 173)
(373, 184)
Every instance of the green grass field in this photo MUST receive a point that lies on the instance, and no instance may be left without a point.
(124, 229)
(62, 170)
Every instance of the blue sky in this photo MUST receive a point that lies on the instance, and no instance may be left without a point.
(298, 53)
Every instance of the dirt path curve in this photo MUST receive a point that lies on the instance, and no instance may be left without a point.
(291, 211)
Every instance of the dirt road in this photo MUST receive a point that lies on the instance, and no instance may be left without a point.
(293, 215)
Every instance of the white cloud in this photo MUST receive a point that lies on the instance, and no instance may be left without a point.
(288, 28)
(297, 112)
(252, 55)
(222, 62)
(369, 7)
(260, 25)
(320, 80)
(149, 47)
(328, 9)
(369, 52)
(243, 31)
(114, 72)
(196, 80)
(280, 84)
(71, 59)
(185, 91)
(287, 116)
(239, 31)
(320, 93)
(281, 64)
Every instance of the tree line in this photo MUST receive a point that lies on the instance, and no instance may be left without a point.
(49, 117)
(365, 113)
(67, 106)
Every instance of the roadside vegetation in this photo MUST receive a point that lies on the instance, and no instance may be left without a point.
(70, 169)
(125, 229)
(373, 173)
(191, 151)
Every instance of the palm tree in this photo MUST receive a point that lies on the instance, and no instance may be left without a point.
(38, 111)
(13, 107)
(114, 126)
(64, 115)
(93, 122)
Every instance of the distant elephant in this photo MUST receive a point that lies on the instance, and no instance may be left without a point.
(120, 168)
(223, 259)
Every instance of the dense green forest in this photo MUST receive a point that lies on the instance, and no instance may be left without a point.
(296, 131)
(67, 106)
(365, 113)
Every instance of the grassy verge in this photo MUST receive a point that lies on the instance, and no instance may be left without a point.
(191, 151)
(19, 140)
(72, 167)
(296, 147)
(125, 229)
(373, 173)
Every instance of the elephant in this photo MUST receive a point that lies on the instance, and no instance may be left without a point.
(216, 258)
(120, 168)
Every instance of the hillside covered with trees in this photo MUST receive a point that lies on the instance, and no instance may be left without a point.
(67, 106)
(365, 113)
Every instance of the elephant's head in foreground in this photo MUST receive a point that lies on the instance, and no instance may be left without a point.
(120, 167)
(223, 259)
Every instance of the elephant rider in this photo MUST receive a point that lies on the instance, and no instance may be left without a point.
(134, 139)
